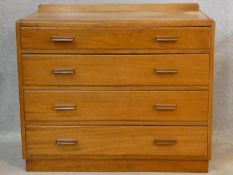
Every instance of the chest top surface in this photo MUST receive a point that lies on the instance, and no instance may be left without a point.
(117, 15)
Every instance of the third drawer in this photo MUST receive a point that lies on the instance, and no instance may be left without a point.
(116, 105)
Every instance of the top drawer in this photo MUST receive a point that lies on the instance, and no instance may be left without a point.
(46, 39)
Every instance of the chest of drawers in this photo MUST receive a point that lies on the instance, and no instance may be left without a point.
(116, 87)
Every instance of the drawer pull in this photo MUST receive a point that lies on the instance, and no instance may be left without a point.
(165, 106)
(58, 107)
(166, 71)
(63, 71)
(165, 142)
(66, 142)
(62, 39)
(165, 39)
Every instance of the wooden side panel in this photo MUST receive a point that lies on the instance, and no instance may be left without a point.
(116, 105)
(21, 94)
(211, 86)
(185, 69)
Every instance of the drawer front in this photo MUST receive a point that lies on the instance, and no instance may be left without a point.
(117, 141)
(39, 38)
(174, 69)
(116, 105)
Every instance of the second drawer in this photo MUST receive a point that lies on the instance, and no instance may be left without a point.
(116, 105)
(174, 69)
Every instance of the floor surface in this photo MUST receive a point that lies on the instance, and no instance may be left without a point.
(12, 164)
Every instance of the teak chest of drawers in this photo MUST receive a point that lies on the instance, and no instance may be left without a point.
(116, 87)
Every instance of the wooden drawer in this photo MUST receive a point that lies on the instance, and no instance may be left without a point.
(174, 69)
(58, 39)
(117, 141)
(116, 105)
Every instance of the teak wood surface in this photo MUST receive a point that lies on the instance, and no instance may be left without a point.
(116, 105)
(165, 69)
(42, 38)
(118, 141)
(123, 87)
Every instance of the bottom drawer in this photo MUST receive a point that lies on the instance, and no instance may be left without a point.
(116, 141)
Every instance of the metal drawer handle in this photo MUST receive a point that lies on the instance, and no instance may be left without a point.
(66, 142)
(58, 107)
(165, 39)
(165, 142)
(63, 71)
(166, 71)
(62, 39)
(165, 106)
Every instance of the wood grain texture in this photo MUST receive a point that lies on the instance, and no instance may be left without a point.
(116, 165)
(116, 70)
(115, 38)
(116, 105)
(48, 8)
(124, 15)
(117, 140)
